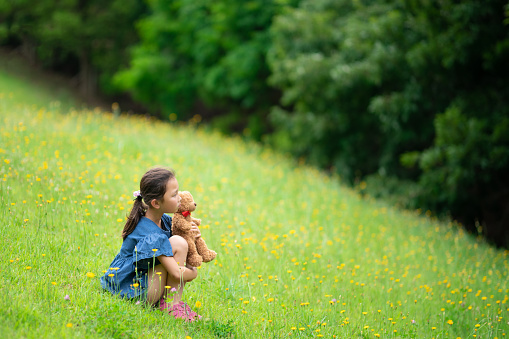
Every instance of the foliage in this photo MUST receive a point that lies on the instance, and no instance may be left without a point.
(204, 52)
(364, 84)
(85, 37)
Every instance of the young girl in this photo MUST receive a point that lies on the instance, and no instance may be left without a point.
(150, 263)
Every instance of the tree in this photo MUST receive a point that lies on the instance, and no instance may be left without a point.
(204, 56)
(85, 37)
(374, 87)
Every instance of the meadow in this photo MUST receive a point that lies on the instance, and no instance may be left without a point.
(300, 254)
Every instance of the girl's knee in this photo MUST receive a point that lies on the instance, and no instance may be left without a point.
(178, 244)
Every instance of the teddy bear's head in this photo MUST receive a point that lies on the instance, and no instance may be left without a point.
(186, 202)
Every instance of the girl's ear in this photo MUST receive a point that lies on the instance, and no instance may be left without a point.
(155, 204)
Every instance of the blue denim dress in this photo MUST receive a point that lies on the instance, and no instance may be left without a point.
(127, 275)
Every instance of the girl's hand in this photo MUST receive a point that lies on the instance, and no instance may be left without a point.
(192, 273)
(196, 230)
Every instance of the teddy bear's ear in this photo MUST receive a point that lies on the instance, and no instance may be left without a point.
(186, 200)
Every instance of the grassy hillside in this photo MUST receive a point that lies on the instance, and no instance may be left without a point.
(299, 255)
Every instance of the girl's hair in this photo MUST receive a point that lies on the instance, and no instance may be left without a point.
(152, 186)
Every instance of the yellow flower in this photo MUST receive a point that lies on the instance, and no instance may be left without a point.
(119, 220)
(198, 304)
(111, 275)
(188, 337)
(136, 285)
(154, 249)
(28, 267)
(90, 275)
(69, 325)
(450, 322)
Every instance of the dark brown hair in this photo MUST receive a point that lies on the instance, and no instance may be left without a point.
(152, 186)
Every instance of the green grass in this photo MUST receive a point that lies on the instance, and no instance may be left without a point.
(299, 254)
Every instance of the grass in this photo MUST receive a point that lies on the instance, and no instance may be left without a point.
(299, 254)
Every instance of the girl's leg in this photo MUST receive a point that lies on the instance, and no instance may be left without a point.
(158, 277)
(156, 282)
(179, 246)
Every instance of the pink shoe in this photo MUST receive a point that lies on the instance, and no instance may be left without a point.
(181, 310)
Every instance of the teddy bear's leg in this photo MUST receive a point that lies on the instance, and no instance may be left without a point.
(193, 258)
(204, 251)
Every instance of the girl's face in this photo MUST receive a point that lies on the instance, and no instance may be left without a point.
(171, 199)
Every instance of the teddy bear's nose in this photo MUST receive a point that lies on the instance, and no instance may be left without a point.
(194, 204)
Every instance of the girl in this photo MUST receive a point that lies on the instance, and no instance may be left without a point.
(151, 260)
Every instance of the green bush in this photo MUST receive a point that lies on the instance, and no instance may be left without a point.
(205, 57)
(372, 87)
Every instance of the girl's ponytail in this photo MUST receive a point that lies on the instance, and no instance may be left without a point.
(152, 186)
(139, 209)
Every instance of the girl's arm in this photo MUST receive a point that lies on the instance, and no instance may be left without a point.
(176, 271)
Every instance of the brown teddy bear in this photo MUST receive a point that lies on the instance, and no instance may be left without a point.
(198, 251)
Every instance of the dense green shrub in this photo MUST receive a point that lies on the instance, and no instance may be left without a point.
(374, 87)
(84, 38)
(205, 57)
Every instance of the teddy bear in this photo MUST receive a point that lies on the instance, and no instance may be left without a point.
(198, 251)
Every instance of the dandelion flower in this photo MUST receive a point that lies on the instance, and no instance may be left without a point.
(198, 304)
(69, 325)
(450, 322)
(90, 275)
